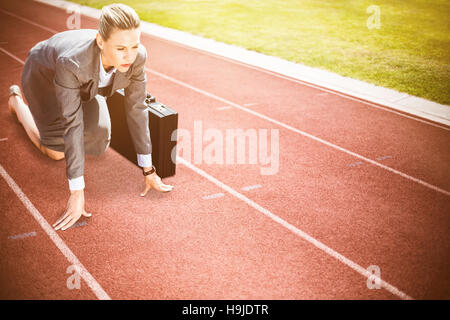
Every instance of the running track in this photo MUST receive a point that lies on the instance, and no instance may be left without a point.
(358, 185)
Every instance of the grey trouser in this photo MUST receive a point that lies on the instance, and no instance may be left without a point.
(97, 128)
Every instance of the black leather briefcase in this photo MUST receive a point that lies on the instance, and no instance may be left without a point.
(163, 121)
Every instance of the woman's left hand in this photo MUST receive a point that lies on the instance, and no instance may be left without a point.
(154, 181)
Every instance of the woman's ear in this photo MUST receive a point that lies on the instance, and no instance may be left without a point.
(99, 40)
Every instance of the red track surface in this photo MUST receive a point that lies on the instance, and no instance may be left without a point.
(179, 245)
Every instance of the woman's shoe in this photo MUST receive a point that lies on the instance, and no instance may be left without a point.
(14, 90)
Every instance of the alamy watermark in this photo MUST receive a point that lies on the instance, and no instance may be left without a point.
(229, 148)
(74, 280)
(374, 280)
(374, 21)
(74, 20)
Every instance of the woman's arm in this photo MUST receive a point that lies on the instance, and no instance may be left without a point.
(67, 89)
(137, 118)
(135, 108)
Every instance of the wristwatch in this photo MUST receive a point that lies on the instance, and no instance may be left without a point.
(153, 169)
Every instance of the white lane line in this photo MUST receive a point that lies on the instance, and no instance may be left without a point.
(364, 272)
(286, 126)
(92, 283)
(29, 21)
(3, 139)
(248, 188)
(23, 235)
(12, 56)
(213, 196)
(404, 175)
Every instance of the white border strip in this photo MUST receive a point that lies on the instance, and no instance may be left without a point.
(298, 232)
(312, 76)
(92, 283)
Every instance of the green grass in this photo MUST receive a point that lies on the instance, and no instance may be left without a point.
(410, 52)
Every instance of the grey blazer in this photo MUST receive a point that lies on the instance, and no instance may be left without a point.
(65, 68)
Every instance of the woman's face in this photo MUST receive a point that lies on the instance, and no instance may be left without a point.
(121, 49)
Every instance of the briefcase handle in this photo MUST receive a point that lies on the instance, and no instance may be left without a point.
(150, 98)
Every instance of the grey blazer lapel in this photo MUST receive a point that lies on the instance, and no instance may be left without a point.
(95, 71)
(120, 81)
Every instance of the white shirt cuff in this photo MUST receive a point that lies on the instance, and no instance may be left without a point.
(76, 183)
(144, 160)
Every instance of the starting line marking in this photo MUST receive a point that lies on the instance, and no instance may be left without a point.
(248, 188)
(354, 164)
(214, 196)
(23, 235)
(224, 108)
(384, 158)
(78, 224)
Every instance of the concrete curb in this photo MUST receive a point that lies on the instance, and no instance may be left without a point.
(316, 77)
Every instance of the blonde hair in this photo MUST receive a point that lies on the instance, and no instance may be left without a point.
(117, 16)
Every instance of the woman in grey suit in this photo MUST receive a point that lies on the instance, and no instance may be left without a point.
(65, 80)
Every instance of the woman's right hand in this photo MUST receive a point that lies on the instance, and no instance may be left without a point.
(73, 212)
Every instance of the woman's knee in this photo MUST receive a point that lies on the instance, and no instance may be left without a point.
(55, 155)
